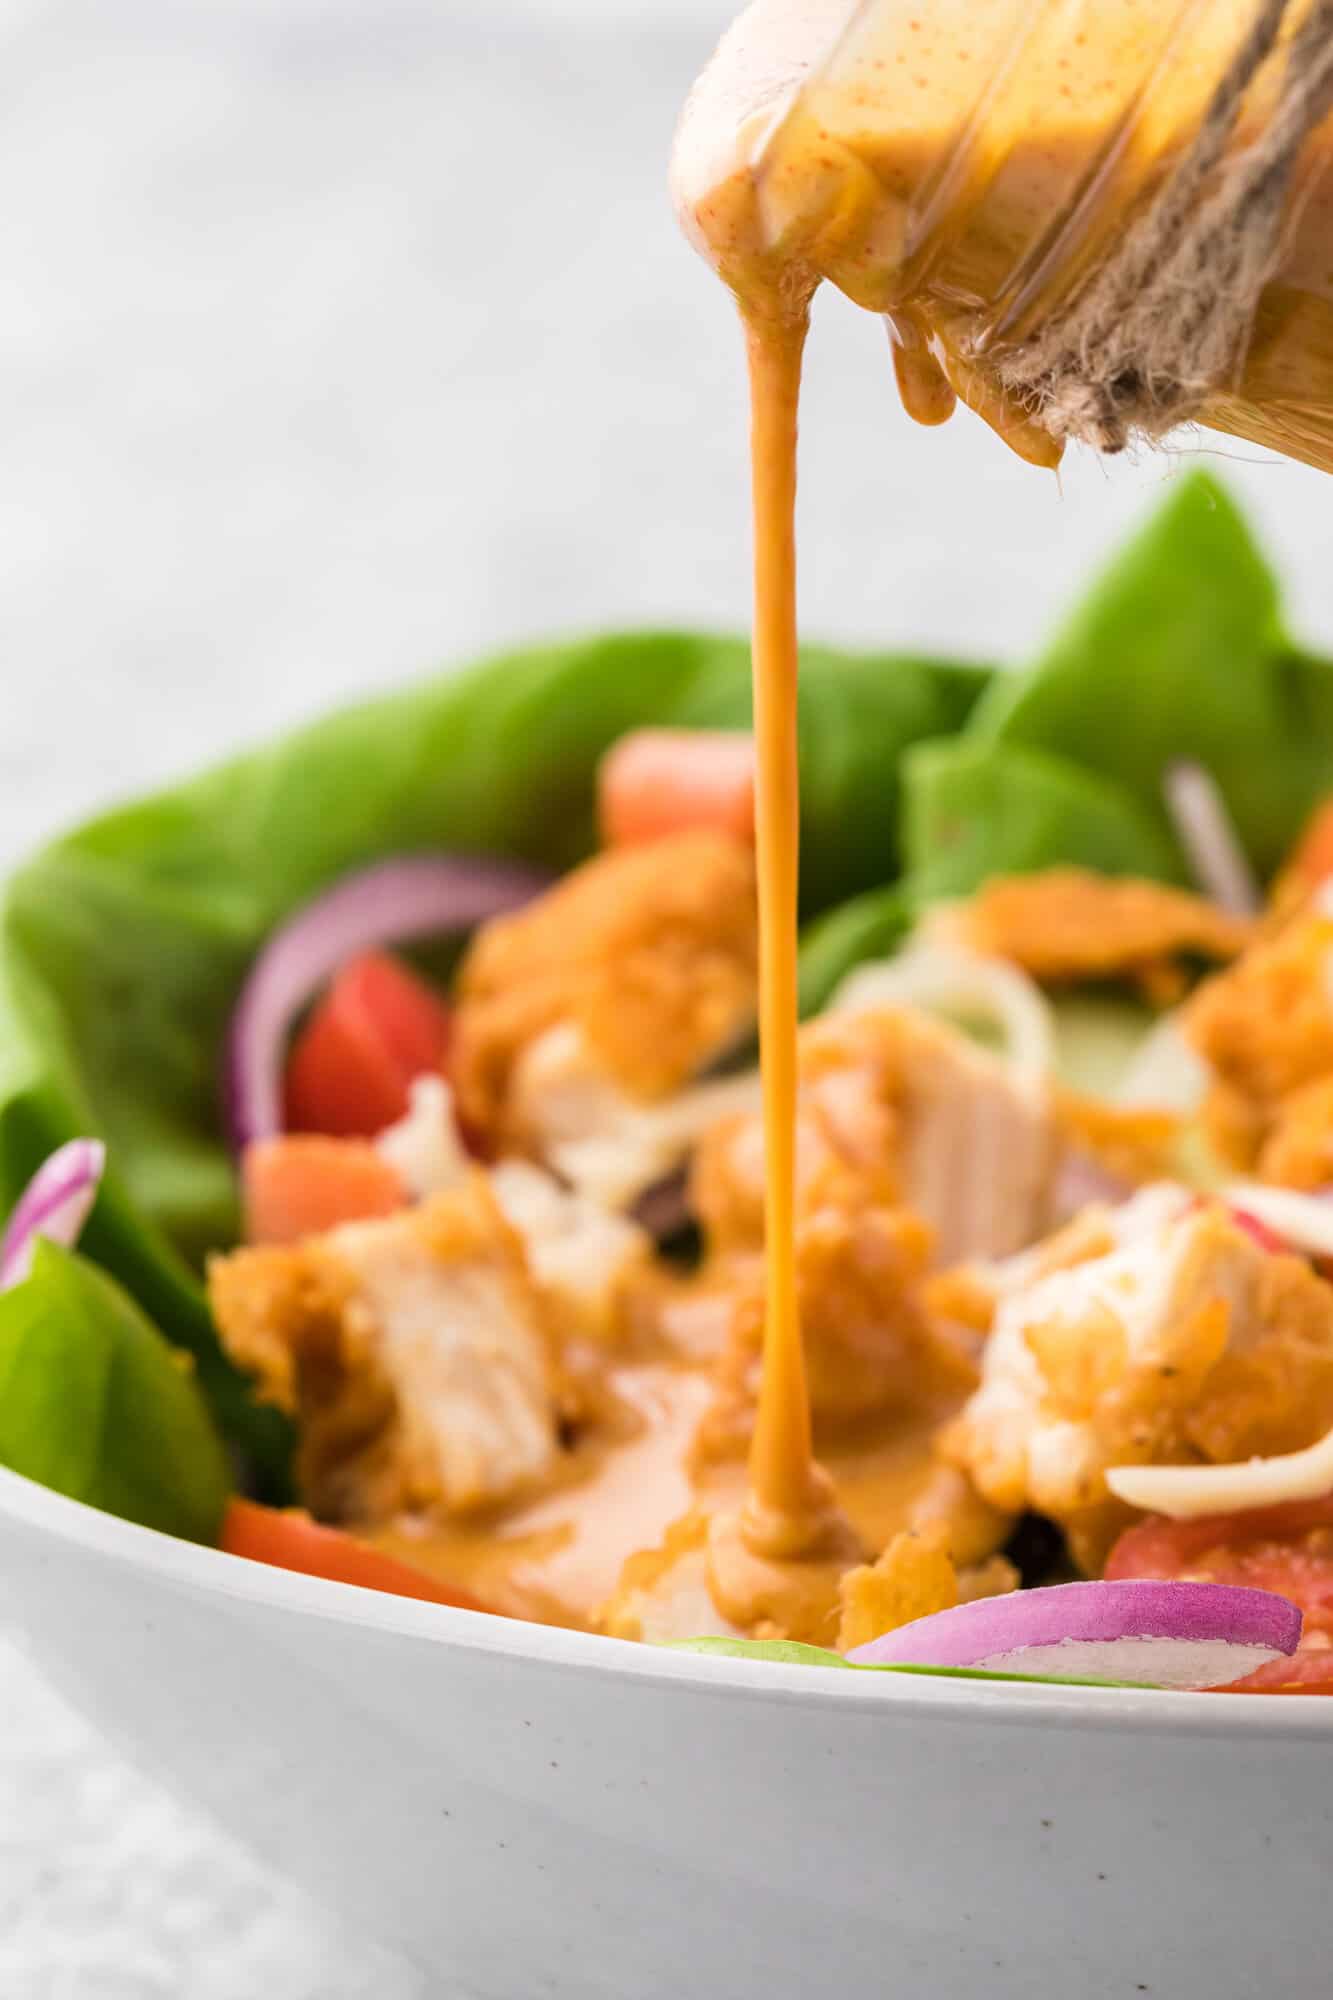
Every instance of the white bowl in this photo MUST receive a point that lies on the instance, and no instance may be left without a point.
(531, 1813)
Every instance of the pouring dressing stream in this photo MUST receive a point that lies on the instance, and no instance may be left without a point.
(960, 169)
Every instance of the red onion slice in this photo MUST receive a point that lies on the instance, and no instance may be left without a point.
(1175, 1635)
(56, 1203)
(1208, 835)
(1297, 1220)
(414, 896)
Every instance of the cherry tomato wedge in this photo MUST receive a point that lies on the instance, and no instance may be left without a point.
(656, 782)
(291, 1540)
(1286, 1549)
(352, 1065)
(303, 1184)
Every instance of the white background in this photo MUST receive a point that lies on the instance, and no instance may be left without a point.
(341, 338)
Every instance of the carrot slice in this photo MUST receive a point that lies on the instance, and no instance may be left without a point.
(656, 782)
(302, 1185)
(291, 1540)
(352, 1066)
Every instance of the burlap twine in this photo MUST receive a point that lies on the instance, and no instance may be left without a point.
(1165, 322)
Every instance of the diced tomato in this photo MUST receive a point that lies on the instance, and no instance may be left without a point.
(656, 782)
(1312, 858)
(1286, 1549)
(351, 1067)
(291, 1540)
(303, 1184)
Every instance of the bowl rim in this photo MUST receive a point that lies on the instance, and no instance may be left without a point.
(203, 1571)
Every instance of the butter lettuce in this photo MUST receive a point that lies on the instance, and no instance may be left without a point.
(976, 809)
(94, 1403)
(1177, 651)
(790, 1653)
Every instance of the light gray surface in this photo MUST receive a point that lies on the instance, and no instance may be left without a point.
(338, 338)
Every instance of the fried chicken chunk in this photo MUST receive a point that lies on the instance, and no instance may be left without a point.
(583, 1257)
(416, 1353)
(895, 1110)
(647, 954)
(871, 1346)
(1183, 1342)
(664, 1593)
(1070, 924)
(1265, 1028)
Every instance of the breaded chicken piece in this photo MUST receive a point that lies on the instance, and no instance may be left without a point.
(1265, 1028)
(1296, 1150)
(649, 954)
(871, 1346)
(583, 1257)
(895, 1109)
(1069, 925)
(912, 1578)
(971, 1293)
(664, 1594)
(564, 1108)
(1115, 1143)
(1187, 1342)
(416, 1354)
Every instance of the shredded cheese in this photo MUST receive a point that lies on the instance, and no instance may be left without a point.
(1185, 1492)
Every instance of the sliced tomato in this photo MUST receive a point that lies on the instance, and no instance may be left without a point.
(1286, 1549)
(1312, 858)
(351, 1067)
(289, 1539)
(303, 1184)
(656, 782)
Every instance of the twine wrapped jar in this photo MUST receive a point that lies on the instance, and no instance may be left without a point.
(1086, 219)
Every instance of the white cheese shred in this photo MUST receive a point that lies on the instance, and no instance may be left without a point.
(1187, 1492)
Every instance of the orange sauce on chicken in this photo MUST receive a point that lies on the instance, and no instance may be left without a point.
(558, 1556)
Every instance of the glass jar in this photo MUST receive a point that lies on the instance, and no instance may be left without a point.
(964, 166)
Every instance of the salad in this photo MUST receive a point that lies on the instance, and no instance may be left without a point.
(380, 1144)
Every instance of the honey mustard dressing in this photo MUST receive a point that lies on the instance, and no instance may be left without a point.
(558, 1555)
(963, 168)
(788, 1500)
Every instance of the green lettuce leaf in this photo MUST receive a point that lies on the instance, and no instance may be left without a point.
(870, 926)
(975, 809)
(789, 1653)
(94, 1403)
(1177, 651)
(785, 1652)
